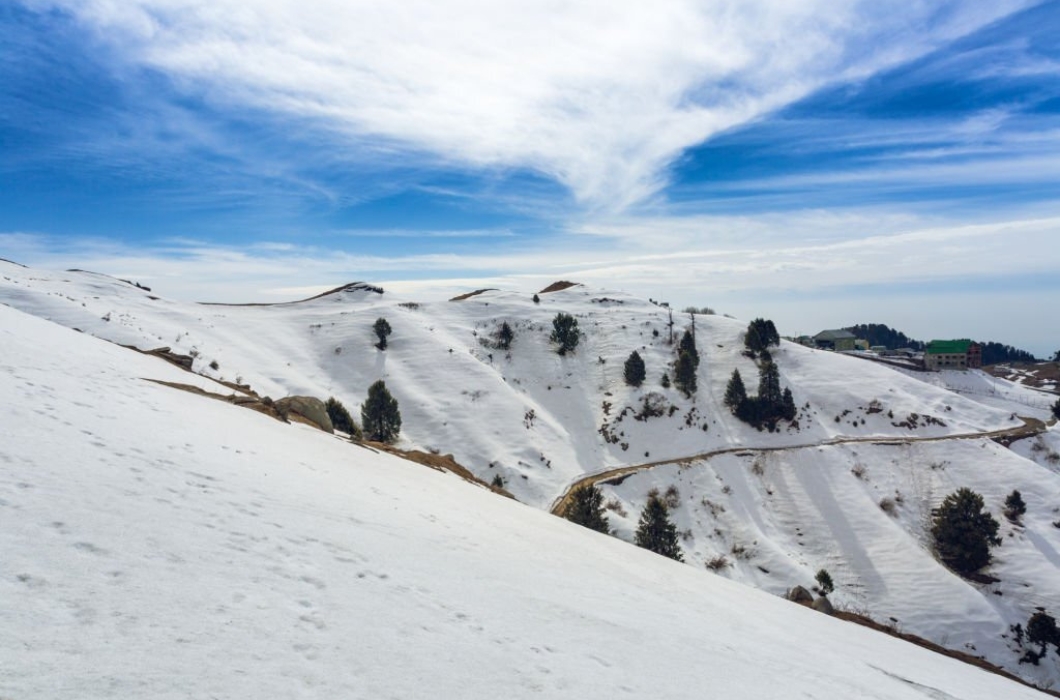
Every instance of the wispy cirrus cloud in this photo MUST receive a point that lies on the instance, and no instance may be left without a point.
(601, 96)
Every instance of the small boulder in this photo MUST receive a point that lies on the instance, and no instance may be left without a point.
(308, 408)
(800, 595)
(823, 605)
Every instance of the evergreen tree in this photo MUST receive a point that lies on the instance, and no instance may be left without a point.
(688, 344)
(634, 370)
(769, 392)
(1042, 630)
(1056, 409)
(587, 509)
(537, 299)
(565, 332)
(656, 532)
(341, 418)
(787, 405)
(665, 381)
(963, 533)
(1014, 506)
(761, 334)
(735, 392)
(380, 417)
(505, 336)
(824, 582)
(685, 373)
(382, 331)
(498, 481)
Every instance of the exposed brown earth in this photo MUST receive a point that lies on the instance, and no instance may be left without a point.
(558, 287)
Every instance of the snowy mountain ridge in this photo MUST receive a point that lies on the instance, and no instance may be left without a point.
(770, 513)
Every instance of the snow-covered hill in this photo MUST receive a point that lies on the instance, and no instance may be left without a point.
(831, 498)
(529, 415)
(159, 544)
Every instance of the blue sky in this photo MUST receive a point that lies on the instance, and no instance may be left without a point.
(821, 163)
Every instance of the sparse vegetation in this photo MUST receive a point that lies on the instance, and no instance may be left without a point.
(655, 532)
(565, 332)
(1056, 409)
(963, 533)
(587, 509)
(382, 330)
(380, 417)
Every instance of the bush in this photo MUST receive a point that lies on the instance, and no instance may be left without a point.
(382, 331)
(635, 371)
(665, 382)
(380, 417)
(824, 582)
(963, 533)
(341, 418)
(565, 332)
(1014, 506)
(587, 509)
(655, 532)
(1056, 409)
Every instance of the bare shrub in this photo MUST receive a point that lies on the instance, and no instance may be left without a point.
(887, 505)
(672, 497)
(717, 563)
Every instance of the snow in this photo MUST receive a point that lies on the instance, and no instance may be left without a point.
(530, 415)
(160, 544)
(540, 420)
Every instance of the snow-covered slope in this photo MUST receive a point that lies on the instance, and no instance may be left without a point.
(159, 544)
(535, 418)
(542, 421)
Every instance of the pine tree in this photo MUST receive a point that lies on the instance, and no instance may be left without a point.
(761, 334)
(565, 332)
(382, 330)
(341, 418)
(688, 344)
(787, 405)
(1056, 409)
(505, 336)
(665, 381)
(735, 392)
(380, 417)
(587, 508)
(537, 299)
(824, 582)
(634, 370)
(769, 392)
(685, 373)
(1014, 506)
(1042, 630)
(963, 533)
(655, 531)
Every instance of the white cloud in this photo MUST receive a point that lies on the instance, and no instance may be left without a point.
(601, 95)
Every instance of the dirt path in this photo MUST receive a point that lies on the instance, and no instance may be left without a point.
(1030, 428)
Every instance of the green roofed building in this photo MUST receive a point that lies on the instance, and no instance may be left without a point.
(953, 354)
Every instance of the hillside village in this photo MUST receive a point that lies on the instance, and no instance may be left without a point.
(813, 461)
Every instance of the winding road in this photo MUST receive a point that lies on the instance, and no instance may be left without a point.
(1030, 428)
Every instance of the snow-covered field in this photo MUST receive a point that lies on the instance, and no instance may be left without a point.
(541, 421)
(529, 415)
(159, 544)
